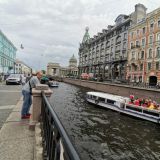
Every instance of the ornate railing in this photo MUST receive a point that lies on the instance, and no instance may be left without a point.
(56, 143)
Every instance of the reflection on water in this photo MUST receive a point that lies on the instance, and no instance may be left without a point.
(101, 134)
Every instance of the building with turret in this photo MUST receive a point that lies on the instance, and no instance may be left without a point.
(111, 53)
(105, 55)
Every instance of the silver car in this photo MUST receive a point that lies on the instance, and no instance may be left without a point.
(14, 79)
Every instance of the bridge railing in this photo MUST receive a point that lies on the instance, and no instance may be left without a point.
(56, 143)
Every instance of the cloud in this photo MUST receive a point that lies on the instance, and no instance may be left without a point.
(51, 30)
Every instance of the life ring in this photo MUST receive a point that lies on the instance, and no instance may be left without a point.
(96, 101)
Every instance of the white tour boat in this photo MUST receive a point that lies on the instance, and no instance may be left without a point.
(121, 104)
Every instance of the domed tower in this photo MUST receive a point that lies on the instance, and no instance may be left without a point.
(73, 62)
(86, 36)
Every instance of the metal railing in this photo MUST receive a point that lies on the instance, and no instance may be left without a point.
(56, 143)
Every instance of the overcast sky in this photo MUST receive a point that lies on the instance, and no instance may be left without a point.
(51, 30)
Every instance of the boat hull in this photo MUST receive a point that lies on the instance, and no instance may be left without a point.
(125, 109)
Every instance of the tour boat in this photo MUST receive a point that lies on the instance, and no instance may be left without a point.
(122, 105)
(53, 84)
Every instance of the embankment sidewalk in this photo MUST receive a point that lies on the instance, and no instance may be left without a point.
(16, 140)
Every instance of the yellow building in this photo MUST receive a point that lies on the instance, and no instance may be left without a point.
(22, 68)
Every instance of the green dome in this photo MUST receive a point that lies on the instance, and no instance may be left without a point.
(73, 59)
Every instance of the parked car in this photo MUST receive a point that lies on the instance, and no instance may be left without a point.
(14, 79)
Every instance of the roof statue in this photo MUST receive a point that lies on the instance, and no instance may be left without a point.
(86, 36)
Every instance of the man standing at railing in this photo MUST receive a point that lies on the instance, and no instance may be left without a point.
(27, 94)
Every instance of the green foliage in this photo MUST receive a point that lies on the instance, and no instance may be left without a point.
(43, 71)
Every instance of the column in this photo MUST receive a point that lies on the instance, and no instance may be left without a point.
(37, 103)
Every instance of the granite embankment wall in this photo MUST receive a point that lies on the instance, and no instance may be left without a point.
(122, 90)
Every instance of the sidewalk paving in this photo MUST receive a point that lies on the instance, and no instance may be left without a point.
(16, 140)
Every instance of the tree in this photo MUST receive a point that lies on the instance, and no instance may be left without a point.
(43, 71)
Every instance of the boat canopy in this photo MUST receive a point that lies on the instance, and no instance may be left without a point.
(109, 96)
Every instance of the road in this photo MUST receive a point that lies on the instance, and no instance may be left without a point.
(9, 96)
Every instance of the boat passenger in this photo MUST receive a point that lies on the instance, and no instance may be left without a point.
(131, 99)
(136, 102)
(151, 106)
(158, 107)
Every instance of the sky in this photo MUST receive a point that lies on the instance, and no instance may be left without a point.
(51, 30)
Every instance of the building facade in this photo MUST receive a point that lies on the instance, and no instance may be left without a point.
(56, 70)
(144, 49)
(7, 55)
(22, 68)
(105, 55)
(113, 53)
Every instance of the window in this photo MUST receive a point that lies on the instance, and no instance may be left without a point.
(158, 52)
(125, 36)
(141, 67)
(143, 42)
(157, 65)
(142, 55)
(133, 55)
(124, 45)
(137, 44)
(118, 39)
(151, 27)
(135, 68)
(117, 48)
(139, 55)
(132, 34)
(149, 66)
(158, 37)
(132, 45)
(111, 41)
(151, 39)
(107, 44)
(159, 24)
(143, 30)
(150, 53)
(111, 49)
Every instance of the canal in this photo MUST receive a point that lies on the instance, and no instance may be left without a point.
(101, 134)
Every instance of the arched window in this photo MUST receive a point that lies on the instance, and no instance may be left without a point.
(150, 53)
(118, 39)
(108, 44)
(158, 37)
(158, 52)
(142, 55)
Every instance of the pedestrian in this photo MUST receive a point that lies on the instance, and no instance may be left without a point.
(27, 94)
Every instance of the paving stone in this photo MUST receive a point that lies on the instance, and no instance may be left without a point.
(16, 140)
(17, 149)
(15, 130)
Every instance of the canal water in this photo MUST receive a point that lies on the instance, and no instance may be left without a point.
(101, 134)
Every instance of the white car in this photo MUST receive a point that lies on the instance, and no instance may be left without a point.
(14, 79)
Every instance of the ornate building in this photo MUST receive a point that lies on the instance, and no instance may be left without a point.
(144, 48)
(55, 69)
(106, 54)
